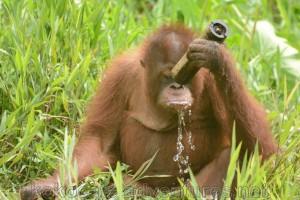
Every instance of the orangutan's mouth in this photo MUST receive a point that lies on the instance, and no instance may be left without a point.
(180, 105)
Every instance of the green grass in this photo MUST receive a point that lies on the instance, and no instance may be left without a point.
(51, 55)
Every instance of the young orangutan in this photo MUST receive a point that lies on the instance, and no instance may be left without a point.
(133, 113)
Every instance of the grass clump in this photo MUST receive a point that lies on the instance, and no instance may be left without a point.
(52, 51)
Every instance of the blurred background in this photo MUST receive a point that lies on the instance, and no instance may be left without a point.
(53, 52)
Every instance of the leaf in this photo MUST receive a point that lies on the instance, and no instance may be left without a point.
(292, 65)
(269, 43)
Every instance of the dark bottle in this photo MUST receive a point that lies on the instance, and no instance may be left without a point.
(181, 72)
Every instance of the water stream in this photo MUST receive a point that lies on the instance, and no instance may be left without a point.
(184, 133)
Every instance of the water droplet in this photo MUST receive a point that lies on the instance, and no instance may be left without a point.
(183, 160)
(176, 157)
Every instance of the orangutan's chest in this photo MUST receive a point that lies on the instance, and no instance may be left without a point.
(139, 144)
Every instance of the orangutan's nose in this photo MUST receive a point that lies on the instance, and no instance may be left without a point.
(176, 86)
